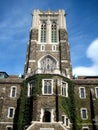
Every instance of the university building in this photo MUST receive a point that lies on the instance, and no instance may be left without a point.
(47, 96)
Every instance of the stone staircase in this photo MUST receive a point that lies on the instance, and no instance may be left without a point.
(46, 126)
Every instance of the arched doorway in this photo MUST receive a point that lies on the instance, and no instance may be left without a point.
(47, 116)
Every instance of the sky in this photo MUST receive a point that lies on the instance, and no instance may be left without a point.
(82, 27)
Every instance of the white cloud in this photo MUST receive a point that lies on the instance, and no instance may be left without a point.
(92, 54)
(92, 51)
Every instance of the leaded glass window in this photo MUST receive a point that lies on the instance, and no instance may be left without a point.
(43, 32)
(53, 32)
(47, 86)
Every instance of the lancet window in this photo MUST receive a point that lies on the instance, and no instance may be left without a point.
(43, 32)
(53, 32)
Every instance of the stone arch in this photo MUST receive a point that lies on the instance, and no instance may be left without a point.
(47, 63)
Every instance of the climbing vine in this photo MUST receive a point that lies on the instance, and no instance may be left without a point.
(23, 103)
(67, 104)
(23, 113)
(24, 110)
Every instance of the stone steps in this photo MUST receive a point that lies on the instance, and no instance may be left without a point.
(46, 126)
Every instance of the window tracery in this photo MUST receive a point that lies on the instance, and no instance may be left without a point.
(48, 64)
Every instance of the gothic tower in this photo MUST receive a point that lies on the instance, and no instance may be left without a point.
(48, 47)
(47, 97)
(48, 70)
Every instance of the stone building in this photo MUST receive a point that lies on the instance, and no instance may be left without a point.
(10, 88)
(48, 97)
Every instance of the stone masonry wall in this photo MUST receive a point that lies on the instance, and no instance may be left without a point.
(86, 102)
(6, 101)
(65, 53)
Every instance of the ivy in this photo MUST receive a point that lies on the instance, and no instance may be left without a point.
(23, 113)
(24, 110)
(67, 104)
(19, 120)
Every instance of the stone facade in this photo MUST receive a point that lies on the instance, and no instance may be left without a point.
(90, 101)
(7, 101)
(61, 52)
(48, 97)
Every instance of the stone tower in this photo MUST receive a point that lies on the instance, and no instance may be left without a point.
(48, 49)
(47, 70)
(47, 97)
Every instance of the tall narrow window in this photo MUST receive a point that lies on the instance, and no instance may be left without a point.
(43, 32)
(64, 88)
(13, 91)
(47, 87)
(82, 92)
(11, 112)
(53, 32)
(96, 91)
(84, 113)
(30, 88)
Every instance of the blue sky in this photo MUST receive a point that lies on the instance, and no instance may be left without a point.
(82, 26)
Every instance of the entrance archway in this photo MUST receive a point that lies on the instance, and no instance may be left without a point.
(47, 116)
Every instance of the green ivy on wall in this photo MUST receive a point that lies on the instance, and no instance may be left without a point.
(67, 104)
(23, 103)
(24, 110)
(23, 113)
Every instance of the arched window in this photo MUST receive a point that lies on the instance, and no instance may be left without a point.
(47, 116)
(48, 64)
(13, 91)
(53, 32)
(43, 32)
